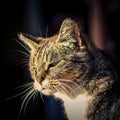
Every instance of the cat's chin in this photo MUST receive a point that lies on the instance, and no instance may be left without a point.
(46, 92)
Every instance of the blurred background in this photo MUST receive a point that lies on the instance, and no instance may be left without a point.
(98, 19)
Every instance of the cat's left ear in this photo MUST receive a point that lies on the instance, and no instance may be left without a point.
(69, 28)
(70, 32)
(29, 40)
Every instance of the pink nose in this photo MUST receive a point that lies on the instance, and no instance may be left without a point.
(39, 81)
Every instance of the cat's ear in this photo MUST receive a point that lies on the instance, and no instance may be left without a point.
(69, 28)
(31, 41)
(70, 31)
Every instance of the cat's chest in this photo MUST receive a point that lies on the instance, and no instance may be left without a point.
(77, 109)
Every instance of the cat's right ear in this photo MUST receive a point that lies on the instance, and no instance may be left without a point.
(29, 40)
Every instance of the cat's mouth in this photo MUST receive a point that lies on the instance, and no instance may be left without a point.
(51, 87)
(47, 87)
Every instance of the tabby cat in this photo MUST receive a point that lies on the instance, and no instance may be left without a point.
(69, 67)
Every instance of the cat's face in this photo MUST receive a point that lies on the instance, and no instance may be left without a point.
(60, 63)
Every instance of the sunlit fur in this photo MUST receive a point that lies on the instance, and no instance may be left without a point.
(68, 65)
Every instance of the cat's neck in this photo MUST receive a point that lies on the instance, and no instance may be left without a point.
(76, 109)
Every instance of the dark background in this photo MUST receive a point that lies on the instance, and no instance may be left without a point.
(31, 17)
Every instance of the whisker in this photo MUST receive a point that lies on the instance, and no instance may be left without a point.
(68, 87)
(27, 101)
(71, 82)
(34, 96)
(22, 66)
(26, 93)
(24, 85)
(23, 45)
(46, 31)
(40, 32)
(56, 88)
(19, 93)
(65, 90)
(24, 101)
(59, 89)
(37, 94)
(25, 59)
(22, 52)
(23, 62)
(42, 97)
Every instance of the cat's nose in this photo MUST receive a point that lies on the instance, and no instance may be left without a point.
(40, 79)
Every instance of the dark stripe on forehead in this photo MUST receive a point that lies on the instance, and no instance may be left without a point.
(41, 48)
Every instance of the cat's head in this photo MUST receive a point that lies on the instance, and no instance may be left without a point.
(59, 64)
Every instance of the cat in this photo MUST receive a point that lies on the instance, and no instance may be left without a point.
(69, 67)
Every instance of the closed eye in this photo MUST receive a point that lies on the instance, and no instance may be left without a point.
(53, 64)
(50, 66)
